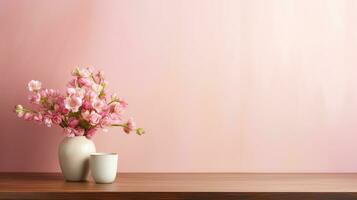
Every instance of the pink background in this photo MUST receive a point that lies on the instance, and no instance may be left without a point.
(220, 86)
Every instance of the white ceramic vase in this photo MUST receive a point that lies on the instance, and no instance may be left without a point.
(74, 154)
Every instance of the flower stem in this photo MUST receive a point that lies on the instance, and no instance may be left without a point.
(28, 110)
(138, 131)
(122, 125)
(112, 101)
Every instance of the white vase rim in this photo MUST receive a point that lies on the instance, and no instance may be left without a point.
(78, 136)
(103, 154)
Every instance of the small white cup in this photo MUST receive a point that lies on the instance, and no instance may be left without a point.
(104, 167)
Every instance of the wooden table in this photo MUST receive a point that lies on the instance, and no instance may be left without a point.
(182, 186)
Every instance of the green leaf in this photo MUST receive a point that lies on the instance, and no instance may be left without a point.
(74, 114)
(84, 124)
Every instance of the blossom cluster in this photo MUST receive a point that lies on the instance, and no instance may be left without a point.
(84, 108)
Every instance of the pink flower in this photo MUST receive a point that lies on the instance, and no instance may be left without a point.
(28, 116)
(99, 77)
(129, 126)
(118, 108)
(85, 115)
(47, 121)
(64, 110)
(82, 72)
(71, 91)
(91, 96)
(56, 119)
(73, 123)
(20, 114)
(38, 118)
(99, 105)
(72, 103)
(60, 105)
(34, 85)
(78, 92)
(44, 93)
(79, 132)
(90, 133)
(105, 112)
(86, 105)
(123, 103)
(97, 88)
(69, 132)
(94, 118)
(81, 110)
(56, 107)
(84, 82)
(116, 118)
(35, 98)
(53, 93)
(72, 83)
(106, 121)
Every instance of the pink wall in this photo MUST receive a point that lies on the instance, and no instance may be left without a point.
(220, 86)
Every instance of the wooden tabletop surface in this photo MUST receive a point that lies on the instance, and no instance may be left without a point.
(15, 183)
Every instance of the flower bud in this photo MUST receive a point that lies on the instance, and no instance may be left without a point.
(34, 85)
(140, 131)
(19, 109)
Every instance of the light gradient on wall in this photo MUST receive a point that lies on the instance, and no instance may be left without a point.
(220, 86)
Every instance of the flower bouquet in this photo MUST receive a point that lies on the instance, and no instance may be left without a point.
(81, 110)
(84, 108)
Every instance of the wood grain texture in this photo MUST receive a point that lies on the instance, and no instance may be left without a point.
(182, 186)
